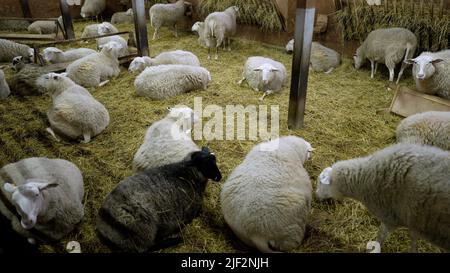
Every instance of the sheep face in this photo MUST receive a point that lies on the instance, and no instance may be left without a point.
(104, 29)
(17, 63)
(325, 187)
(50, 54)
(267, 71)
(51, 81)
(28, 200)
(205, 162)
(423, 66)
(358, 58)
(137, 65)
(112, 49)
(196, 27)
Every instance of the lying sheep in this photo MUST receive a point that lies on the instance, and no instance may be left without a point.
(167, 141)
(429, 128)
(430, 72)
(171, 57)
(167, 15)
(42, 197)
(149, 208)
(95, 30)
(163, 81)
(121, 42)
(45, 27)
(220, 26)
(23, 83)
(389, 46)
(92, 8)
(266, 200)
(55, 55)
(95, 69)
(123, 17)
(14, 25)
(10, 49)
(264, 74)
(74, 113)
(404, 185)
(4, 88)
(323, 59)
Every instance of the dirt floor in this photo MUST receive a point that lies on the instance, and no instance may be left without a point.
(341, 123)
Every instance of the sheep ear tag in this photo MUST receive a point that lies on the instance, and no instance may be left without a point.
(325, 176)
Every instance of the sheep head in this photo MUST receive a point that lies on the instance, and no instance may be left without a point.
(137, 65)
(359, 58)
(424, 66)
(326, 189)
(205, 162)
(268, 72)
(51, 53)
(28, 200)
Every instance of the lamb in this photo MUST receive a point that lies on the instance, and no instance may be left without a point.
(323, 59)
(95, 69)
(430, 72)
(266, 200)
(4, 88)
(163, 81)
(167, 15)
(95, 30)
(92, 8)
(23, 82)
(10, 49)
(429, 128)
(405, 185)
(147, 210)
(55, 55)
(42, 197)
(389, 46)
(45, 27)
(264, 74)
(14, 25)
(123, 17)
(171, 57)
(220, 26)
(122, 43)
(167, 141)
(74, 113)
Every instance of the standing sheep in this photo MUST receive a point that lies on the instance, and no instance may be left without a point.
(123, 17)
(264, 75)
(203, 40)
(92, 8)
(169, 57)
(167, 141)
(266, 200)
(95, 30)
(148, 209)
(404, 185)
(10, 49)
(4, 88)
(323, 59)
(168, 15)
(95, 69)
(431, 73)
(163, 81)
(429, 128)
(42, 197)
(389, 46)
(54, 55)
(74, 113)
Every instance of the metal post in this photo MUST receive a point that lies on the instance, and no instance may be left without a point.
(25, 9)
(304, 29)
(140, 27)
(67, 19)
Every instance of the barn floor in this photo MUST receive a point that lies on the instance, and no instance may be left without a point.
(341, 123)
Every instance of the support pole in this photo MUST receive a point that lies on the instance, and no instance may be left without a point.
(140, 27)
(67, 19)
(304, 29)
(25, 9)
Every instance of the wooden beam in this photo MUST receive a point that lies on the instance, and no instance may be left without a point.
(67, 20)
(140, 27)
(25, 8)
(304, 28)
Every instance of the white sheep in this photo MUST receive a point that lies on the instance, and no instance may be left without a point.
(42, 197)
(45, 27)
(95, 69)
(121, 42)
(163, 81)
(10, 49)
(323, 59)
(389, 46)
(203, 40)
(92, 8)
(123, 17)
(264, 75)
(56, 55)
(220, 27)
(95, 30)
(4, 88)
(74, 113)
(428, 128)
(170, 57)
(167, 141)
(405, 185)
(266, 200)
(431, 73)
(167, 15)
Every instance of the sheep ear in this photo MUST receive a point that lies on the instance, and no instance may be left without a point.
(205, 149)
(410, 61)
(9, 187)
(45, 186)
(325, 176)
(437, 61)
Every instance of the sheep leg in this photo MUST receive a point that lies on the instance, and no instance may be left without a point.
(329, 70)
(400, 74)
(86, 138)
(241, 81)
(175, 31)
(155, 34)
(372, 65)
(209, 53)
(229, 44)
(103, 83)
(376, 68)
(52, 133)
(216, 57)
(413, 245)
(383, 233)
(268, 92)
(391, 74)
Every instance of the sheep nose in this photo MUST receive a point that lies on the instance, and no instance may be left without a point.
(420, 76)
